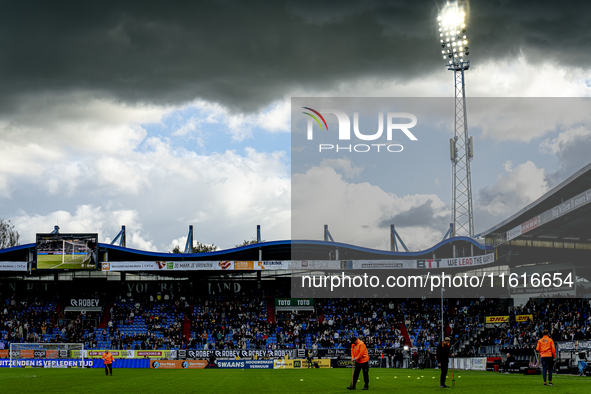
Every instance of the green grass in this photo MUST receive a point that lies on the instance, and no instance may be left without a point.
(33, 380)
(50, 261)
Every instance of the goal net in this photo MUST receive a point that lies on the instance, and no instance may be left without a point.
(75, 252)
(47, 355)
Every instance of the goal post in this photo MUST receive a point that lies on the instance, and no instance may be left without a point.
(47, 355)
(75, 251)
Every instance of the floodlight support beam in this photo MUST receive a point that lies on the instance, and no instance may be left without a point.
(393, 237)
(327, 236)
(121, 237)
(449, 232)
(461, 155)
(189, 244)
(258, 233)
(56, 230)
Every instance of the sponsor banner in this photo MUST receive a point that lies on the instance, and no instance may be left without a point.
(384, 264)
(245, 364)
(578, 201)
(301, 363)
(152, 353)
(178, 364)
(84, 302)
(300, 264)
(529, 225)
(468, 261)
(339, 352)
(194, 265)
(316, 264)
(514, 233)
(4, 354)
(478, 364)
(573, 346)
(225, 265)
(205, 354)
(130, 266)
(64, 363)
(545, 290)
(497, 319)
(376, 362)
(294, 301)
(27, 353)
(342, 363)
(347, 352)
(52, 353)
(272, 265)
(244, 265)
(13, 266)
(161, 265)
(424, 264)
(115, 353)
(522, 318)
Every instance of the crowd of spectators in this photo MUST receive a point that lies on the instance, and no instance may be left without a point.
(28, 319)
(567, 319)
(230, 322)
(248, 321)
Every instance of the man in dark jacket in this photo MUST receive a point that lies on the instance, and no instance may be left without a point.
(443, 354)
(509, 362)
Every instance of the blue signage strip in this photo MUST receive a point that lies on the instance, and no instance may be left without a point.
(245, 364)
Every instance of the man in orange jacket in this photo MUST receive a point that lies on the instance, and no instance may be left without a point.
(108, 360)
(547, 354)
(360, 362)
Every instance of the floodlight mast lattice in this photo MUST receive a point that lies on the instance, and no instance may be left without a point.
(454, 48)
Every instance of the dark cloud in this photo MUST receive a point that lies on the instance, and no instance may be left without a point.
(421, 216)
(572, 155)
(244, 54)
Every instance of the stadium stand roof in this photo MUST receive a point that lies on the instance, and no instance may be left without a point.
(562, 214)
(275, 250)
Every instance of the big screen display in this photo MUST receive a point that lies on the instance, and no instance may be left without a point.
(66, 251)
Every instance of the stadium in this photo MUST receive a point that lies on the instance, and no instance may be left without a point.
(96, 311)
(230, 311)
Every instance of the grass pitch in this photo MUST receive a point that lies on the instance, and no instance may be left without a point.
(33, 380)
(51, 261)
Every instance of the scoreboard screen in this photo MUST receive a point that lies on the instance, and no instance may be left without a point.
(66, 251)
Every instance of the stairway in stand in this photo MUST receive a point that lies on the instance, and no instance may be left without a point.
(58, 309)
(404, 332)
(106, 316)
(270, 310)
(187, 323)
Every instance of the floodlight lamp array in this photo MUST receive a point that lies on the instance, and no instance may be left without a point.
(452, 34)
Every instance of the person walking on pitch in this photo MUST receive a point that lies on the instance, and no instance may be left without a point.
(547, 355)
(443, 354)
(360, 360)
(108, 360)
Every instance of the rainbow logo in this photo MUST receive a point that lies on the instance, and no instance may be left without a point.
(315, 118)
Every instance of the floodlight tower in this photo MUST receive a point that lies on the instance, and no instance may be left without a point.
(454, 48)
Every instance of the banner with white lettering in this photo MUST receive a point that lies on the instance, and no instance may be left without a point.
(85, 302)
(478, 364)
(202, 354)
(13, 266)
(299, 264)
(578, 201)
(245, 364)
(425, 264)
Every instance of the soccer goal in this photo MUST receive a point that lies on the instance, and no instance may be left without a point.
(75, 251)
(47, 355)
